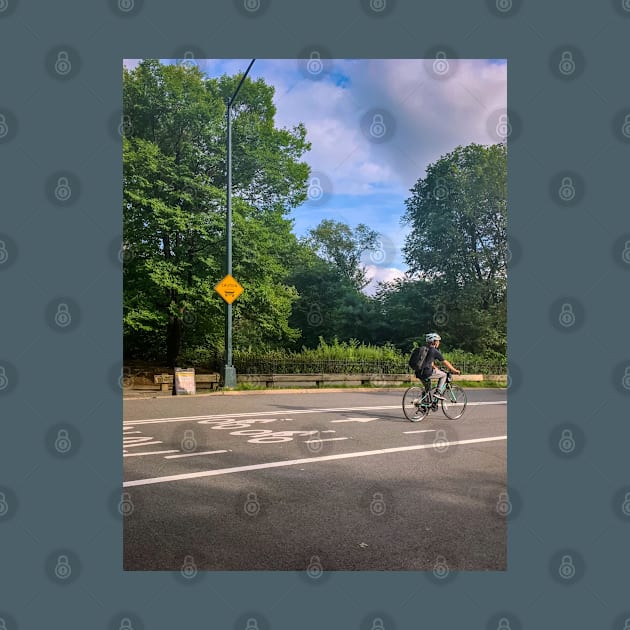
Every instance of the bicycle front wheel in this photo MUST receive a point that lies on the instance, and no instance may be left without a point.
(454, 402)
(413, 408)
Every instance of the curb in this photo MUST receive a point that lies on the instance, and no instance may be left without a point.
(267, 392)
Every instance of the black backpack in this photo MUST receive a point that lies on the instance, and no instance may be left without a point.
(417, 358)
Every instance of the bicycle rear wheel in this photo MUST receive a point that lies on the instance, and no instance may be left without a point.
(454, 402)
(413, 408)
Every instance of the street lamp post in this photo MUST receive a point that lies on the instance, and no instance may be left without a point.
(229, 371)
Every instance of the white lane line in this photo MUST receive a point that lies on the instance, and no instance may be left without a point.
(126, 446)
(355, 420)
(326, 440)
(308, 460)
(193, 454)
(148, 453)
(249, 414)
(422, 431)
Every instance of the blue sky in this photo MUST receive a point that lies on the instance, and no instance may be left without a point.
(374, 127)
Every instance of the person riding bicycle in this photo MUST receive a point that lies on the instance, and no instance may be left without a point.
(429, 370)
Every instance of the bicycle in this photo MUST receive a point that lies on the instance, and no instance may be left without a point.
(419, 401)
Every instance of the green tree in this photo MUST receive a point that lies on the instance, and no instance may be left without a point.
(328, 279)
(457, 242)
(339, 244)
(174, 209)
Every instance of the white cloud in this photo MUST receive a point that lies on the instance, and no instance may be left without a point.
(130, 64)
(380, 274)
(432, 116)
(371, 181)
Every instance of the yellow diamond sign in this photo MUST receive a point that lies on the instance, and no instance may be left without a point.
(229, 289)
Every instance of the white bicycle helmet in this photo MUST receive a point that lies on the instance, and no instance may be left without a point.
(431, 337)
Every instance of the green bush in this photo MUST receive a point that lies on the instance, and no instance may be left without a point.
(351, 357)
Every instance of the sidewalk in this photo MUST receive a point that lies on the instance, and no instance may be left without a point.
(149, 395)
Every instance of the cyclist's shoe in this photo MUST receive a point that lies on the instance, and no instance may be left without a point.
(436, 394)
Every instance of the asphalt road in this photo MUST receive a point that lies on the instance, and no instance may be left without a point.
(313, 482)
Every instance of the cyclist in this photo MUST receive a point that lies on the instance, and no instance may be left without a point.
(429, 370)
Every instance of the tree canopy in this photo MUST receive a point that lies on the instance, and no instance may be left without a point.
(298, 291)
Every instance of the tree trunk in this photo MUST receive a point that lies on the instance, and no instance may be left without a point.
(173, 340)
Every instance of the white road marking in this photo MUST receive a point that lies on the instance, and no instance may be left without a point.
(326, 440)
(249, 414)
(308, 460)
(422, 431)
(147, 453)
(126, 446)
(192, 454)
(355, 420)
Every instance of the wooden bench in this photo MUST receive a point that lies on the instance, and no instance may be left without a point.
(209, 381)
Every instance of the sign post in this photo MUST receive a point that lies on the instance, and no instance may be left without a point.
(229, 289)
(229, 372)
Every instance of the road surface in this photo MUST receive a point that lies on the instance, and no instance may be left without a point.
(313, 482)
